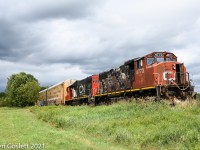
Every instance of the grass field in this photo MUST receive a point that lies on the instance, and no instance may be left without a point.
(119, 126)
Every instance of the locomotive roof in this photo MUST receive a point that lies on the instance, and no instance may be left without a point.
(164, 52)
(82, 80)
(131, 60)
(150, 54)
(52, 86)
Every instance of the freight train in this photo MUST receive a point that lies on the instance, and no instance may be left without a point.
(157, 74)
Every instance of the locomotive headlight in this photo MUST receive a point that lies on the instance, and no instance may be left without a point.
(174, 66)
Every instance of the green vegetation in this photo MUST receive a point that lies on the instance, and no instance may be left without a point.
(198, 96)
(119, 126)
(43, 87)
(22, 126)
(3, 100)
(22, 90)
(130, 125)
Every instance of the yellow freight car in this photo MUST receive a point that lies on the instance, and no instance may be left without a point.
(54, 94)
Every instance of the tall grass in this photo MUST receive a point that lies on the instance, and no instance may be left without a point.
(20, 126)
(130, 125)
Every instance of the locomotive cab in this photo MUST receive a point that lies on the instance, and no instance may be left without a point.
(168, 76)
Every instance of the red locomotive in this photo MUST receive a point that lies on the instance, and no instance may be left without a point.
(156, 74)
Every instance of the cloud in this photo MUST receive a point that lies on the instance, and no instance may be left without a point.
(9, 39)
(48, 9)
(46, 74)
(64, 39)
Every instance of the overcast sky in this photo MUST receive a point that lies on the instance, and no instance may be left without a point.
(71, 39)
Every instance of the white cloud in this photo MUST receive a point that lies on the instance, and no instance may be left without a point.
(46, 74)
(64, 39)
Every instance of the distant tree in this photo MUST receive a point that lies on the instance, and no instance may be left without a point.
(43, 88)
(2, 95)
(22, 89)
(3, 100)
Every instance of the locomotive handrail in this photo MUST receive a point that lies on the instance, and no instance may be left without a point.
(183, 89)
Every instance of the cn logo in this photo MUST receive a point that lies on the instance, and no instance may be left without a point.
(81, 89)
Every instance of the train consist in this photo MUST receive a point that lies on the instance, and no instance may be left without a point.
(157, 74)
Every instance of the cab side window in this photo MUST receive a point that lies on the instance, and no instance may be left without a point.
(139, 63)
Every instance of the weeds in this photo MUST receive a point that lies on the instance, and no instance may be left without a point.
(131, 125)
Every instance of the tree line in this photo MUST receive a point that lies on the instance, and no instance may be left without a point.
(22, 90)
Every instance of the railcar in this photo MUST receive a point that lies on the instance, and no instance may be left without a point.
(157, 74)
(55, 94)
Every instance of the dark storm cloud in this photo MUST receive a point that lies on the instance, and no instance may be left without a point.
(20, 39)
(16, 43)
(70, 10)
(9, 39)
(67, 9)
(56, 40)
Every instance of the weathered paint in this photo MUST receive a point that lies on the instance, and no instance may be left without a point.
(95, 85)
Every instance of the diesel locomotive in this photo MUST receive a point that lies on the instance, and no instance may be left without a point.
(157, 74)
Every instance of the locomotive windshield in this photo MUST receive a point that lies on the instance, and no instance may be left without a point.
(158, 60)
(160, 57)
(171, 59)
(150, 61)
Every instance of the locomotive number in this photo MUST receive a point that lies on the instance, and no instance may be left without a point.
(139, 71)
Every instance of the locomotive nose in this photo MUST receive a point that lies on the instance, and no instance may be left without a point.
(169, 76)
